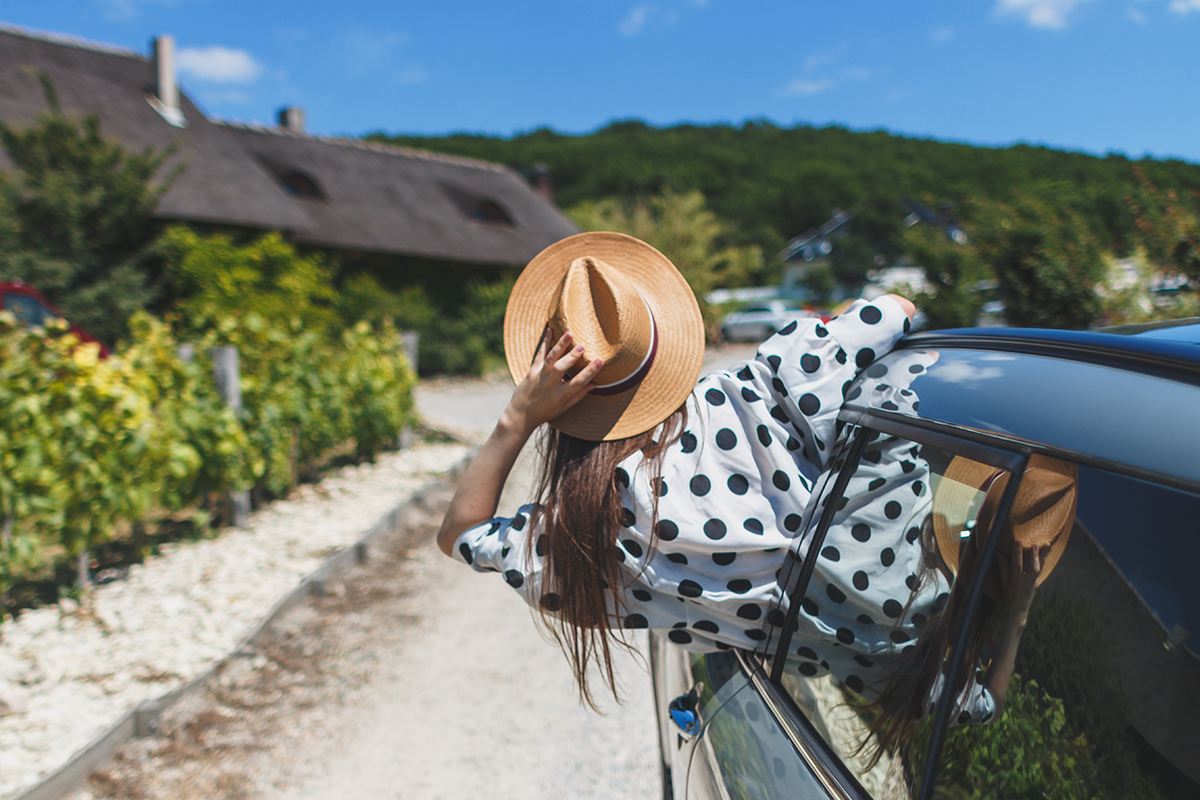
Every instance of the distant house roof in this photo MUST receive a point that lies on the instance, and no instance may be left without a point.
(335, 193)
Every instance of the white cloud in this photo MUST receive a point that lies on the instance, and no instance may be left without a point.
(636, 20)
(1137, 16)
(411, 75)
(943, 34)
(806, 86)
(817, 60)
(371, 53)
(1185, 6)
(218, 64)
(1052, 14)
(857, 73)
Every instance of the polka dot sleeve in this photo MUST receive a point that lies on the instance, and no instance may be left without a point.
(499, 545)
(975, 704)
(812, 365)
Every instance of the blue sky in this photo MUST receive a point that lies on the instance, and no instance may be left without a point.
(1093, 75)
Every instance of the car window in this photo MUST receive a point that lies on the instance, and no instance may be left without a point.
(883, 577)
(27, 310)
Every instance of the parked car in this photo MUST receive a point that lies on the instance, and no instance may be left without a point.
(31, 308)
(1106, 697)
(759, 320)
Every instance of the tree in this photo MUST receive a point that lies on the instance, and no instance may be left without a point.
(954, 274)
(685, 231)
(77, 218)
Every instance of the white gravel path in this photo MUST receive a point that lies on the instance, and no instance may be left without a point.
(181, 611)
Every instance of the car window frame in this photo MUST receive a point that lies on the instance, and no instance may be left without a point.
(1002, 454)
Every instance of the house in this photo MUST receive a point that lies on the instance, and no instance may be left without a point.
(407, 215)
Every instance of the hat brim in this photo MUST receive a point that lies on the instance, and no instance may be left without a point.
(679, 356)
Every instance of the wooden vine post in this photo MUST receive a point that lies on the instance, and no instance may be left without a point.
(229, 386)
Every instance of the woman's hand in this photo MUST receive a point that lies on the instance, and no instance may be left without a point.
(905, 304)
(1027, 563)
(546, 391)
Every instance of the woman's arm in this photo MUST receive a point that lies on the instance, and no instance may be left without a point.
(543, 394)
(1022, 583)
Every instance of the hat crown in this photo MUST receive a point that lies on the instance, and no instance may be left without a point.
(605, 313)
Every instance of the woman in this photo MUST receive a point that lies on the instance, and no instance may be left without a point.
(664, 503)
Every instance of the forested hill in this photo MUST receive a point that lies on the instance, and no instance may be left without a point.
(773, 183)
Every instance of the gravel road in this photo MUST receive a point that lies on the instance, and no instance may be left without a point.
(416, 678)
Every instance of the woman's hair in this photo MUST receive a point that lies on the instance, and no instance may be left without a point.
(579, 514)
(906, 698)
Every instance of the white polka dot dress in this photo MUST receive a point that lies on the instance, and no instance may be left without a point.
(731, 499)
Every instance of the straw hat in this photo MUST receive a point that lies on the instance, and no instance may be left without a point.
(1042, 513)
(626, 303)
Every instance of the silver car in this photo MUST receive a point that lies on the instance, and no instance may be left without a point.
(759, 320)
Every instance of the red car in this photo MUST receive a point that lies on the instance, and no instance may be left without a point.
(31, 308)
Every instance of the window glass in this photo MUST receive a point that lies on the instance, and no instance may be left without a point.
(27, 310)
(882, 599)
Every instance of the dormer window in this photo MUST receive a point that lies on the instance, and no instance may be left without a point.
(491, 211)
(301, 186)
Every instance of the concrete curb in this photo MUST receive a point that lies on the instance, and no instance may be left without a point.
(144, 719)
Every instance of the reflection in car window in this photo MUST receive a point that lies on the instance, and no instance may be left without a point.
(27, 310)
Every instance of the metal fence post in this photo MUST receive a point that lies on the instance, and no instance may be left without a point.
(229, 386)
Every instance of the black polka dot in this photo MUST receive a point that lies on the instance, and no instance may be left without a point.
(876, 484)
(680, 637)
(518, 522)
(841, 356)
(912, 535)
(821, 331)
(887, 557)
(861, 582)
(774, 361)
(888, 405)
(845, 636)
(919, 619)
(739, 586)
(835, 594)
(541, 545)
(677, 558)
(551, 602)
(807, 652)
(689, 588)
(660, 487)
(749, 395)
(642, 595)
(918, 488)
(899, 637)
(632, 547)
(700, 485)
(778, 386)
(778, 413)
(745, 374)
(863, 661)
(495, 526)
(776, 617)
(870, 315)
(726, 439)
(864, 357)
(756, 636)
(787, 330)
(715, 397)
(809, 405)
(877, 371)
(912, 583)
(807, 670)
(635, 621)
(865, 620)
(831, 553)
(515, 579)
(907, 466)
(706, 626)
(861, 531)
(764, 435)
(753, 525)
(854, 684)
(724, 559)
(854, 393)
(687, 441)
(810, 607)
(872, 456)
(792, 522)
(504, 551)
(627, 517)
(964, 718)
(892, 509)
(892, 608)
(792, 444)
(738, 484)
(465, 549)
(781, 481)
(622, 477)
(749, 610)
(666, 530)
(810, 363)
(714, 529)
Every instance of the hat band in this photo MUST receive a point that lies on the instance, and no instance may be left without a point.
(627, 383)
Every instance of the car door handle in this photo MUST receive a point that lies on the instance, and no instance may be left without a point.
(683, 711)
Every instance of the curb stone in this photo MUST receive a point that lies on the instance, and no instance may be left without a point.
(144, 719)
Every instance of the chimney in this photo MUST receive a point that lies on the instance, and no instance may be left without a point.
(166, 90)
(291, 119)
(539, 177)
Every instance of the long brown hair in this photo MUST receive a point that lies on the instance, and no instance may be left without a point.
(579, 515)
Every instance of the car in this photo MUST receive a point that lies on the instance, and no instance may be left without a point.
(760, 320)
(1105, 701)
(31, 308)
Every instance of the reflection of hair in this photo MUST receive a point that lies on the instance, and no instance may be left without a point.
(906, 697)
(580, 514)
